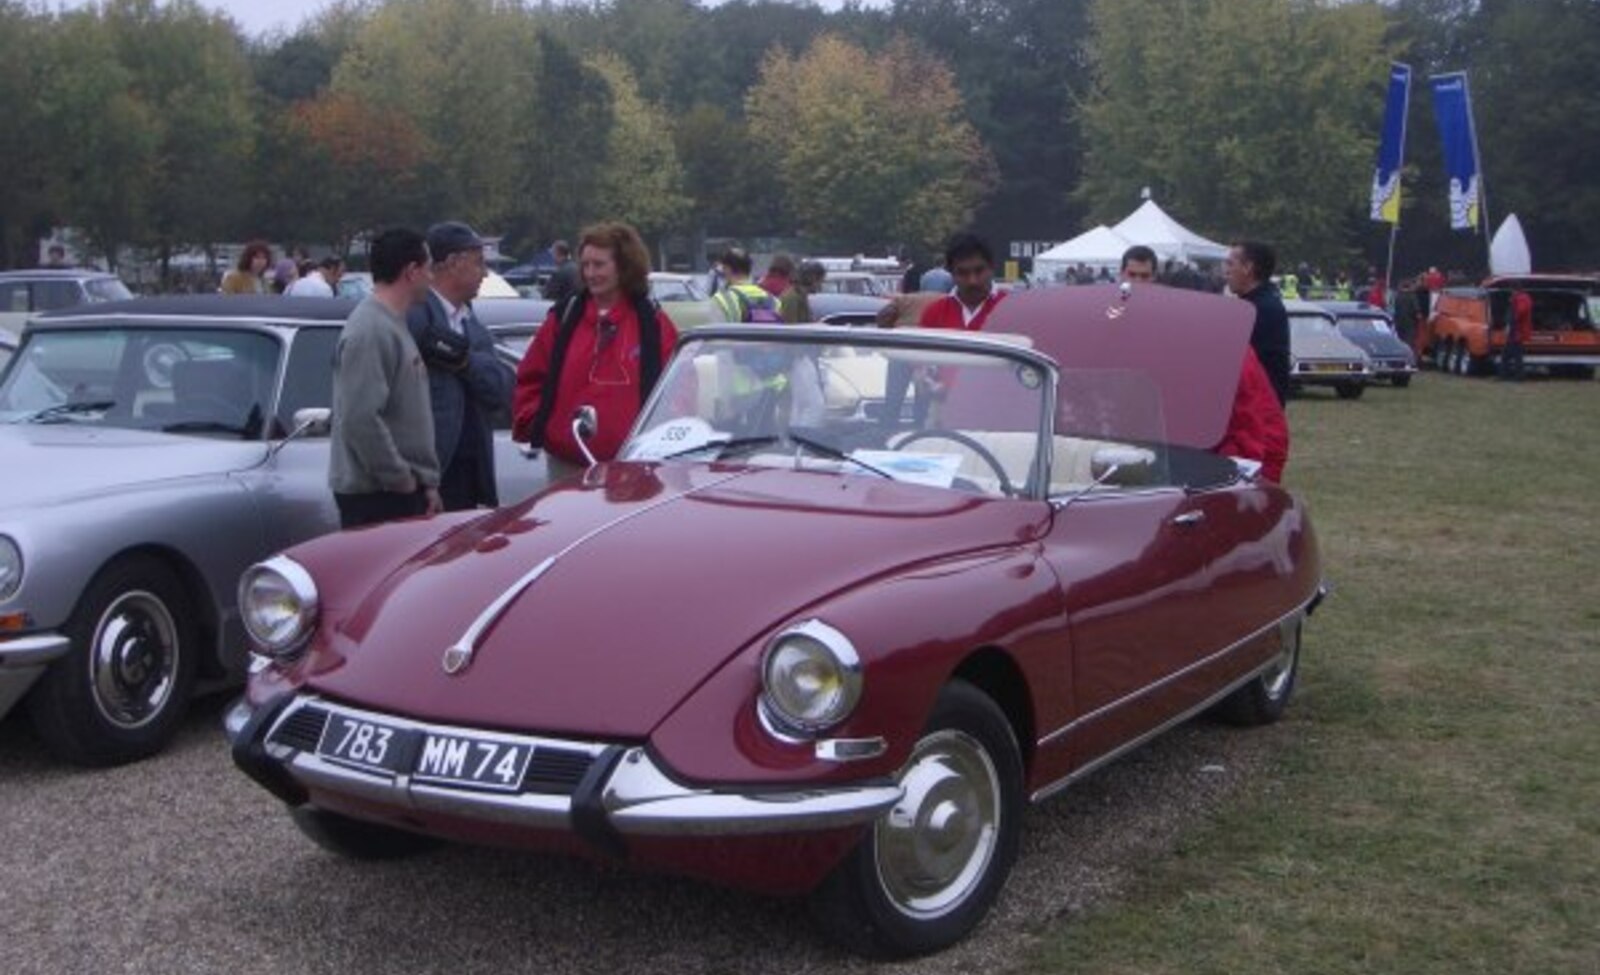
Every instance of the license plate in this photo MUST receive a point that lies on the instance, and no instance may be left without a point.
(481, 763)
(1330, 367)
(364, 744)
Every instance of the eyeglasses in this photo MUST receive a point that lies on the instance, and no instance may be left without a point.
(607, 336)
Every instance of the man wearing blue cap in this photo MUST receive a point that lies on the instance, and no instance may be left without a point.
(467, 382)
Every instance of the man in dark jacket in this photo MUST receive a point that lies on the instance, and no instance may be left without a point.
(467, 383)
(1249, 267)
(563, 283)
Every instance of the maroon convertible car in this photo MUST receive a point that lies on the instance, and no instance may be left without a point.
(798, 641)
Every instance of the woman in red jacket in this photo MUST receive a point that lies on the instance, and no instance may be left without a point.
(604, 348)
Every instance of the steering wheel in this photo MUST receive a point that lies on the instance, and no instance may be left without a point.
(1006, 487)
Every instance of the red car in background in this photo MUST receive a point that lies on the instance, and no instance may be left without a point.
(791, 643)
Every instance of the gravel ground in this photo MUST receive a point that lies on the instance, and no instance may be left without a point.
(180, 864)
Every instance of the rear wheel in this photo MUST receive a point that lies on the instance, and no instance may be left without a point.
(357, 839)
(932, 866)
(120, 692)
(1264, 698)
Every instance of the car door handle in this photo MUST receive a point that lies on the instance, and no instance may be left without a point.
(1189, 519)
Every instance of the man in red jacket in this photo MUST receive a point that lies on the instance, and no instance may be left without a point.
(1517, 339)
(1257, 429)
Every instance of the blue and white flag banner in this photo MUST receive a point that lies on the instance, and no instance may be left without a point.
(1392, 148)
(1452, 105)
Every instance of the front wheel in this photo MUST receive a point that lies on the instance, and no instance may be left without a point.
(934, 864)
(1401, 382)
(1350, 390)
(120, 692)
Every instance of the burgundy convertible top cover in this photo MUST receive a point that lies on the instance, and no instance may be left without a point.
(1189, 344)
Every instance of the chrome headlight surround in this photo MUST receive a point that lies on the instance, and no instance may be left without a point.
(278, 603)
(810, 680)
(10, 567)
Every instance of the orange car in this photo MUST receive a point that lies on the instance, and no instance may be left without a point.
(1466, 333)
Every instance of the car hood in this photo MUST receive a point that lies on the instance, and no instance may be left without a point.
(65, 462)
(649, 578)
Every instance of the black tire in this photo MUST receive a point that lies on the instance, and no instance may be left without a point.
(965, 768)
(355, 839)
(1401, 382)
(1264, 698)
(121, 691)
(1350, 390)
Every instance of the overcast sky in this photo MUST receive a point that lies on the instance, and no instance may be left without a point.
(261, 16)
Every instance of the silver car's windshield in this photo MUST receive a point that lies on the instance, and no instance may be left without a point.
(1311, 325)
(939, 414)
(198, 381)
(106, 289)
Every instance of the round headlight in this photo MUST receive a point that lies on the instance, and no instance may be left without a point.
(10, 567)
(811, 678)
(278, 602)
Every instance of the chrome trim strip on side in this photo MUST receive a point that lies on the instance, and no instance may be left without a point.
(1076, 774)
(1177, 674)
(38, 648)
(639, 797)
(1561, 360)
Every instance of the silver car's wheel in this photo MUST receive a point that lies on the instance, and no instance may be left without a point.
(932, 866)
(120, 692)
(934, 845)
(133, 659)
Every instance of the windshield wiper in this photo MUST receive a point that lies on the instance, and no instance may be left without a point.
(61, 411)
(204, 426)
(829, 450)
(724, 445)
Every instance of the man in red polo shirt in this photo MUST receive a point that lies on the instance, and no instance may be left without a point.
(1518, 337)
(971, 263)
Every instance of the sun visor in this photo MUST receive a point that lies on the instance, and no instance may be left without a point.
(1187, 347)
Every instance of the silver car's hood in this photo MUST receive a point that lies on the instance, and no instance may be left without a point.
(52, 463)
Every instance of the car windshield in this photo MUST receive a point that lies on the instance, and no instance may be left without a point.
(817, 401)
(674, 289)
(198, 381)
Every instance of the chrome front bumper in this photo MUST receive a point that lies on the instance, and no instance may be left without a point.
(626, 791)
(22, 662)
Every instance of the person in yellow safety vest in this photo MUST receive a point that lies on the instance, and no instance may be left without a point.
(1290, 286)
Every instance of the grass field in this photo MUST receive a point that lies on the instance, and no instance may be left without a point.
(1436, 807)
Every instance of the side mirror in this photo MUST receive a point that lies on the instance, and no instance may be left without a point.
(312, 421)
(585, 421)
(1121, 465)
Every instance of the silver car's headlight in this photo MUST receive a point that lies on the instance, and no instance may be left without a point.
(810, 678)
(10, 567)
(278, 601)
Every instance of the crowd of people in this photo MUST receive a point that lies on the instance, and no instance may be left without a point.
(417, 379)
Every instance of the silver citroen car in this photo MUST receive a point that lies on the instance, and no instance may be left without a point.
(152, 450)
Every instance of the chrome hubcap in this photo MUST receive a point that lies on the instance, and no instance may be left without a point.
(935, 845)
(1275, 679)
(133, 659)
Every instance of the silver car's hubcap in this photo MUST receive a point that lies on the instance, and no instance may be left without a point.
(133, 659)
(934, 847)
(1276, 678)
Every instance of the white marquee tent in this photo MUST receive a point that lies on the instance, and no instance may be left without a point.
(1099, 248)
(1172, 241)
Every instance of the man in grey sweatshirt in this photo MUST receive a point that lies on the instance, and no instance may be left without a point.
(383, 464)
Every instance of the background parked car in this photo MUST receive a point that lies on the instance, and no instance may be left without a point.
(24, 294)
(1320, 356)
(1467, 331)
(166, 449)
(1372, 331)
